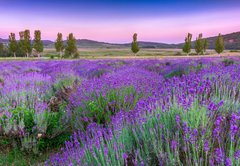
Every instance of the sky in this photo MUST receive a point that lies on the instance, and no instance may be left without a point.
(115, 21)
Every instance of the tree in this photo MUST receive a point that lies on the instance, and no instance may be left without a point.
(26, 42)
(205, 45)
(13, 45)
(59, 45)
(134, 46)
(187, 45)
(1, 49)
(20, 50)
(38, 44)
(71, 47)
(219, 45)
(199, 44)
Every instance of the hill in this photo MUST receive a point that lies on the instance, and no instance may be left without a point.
(232, 41)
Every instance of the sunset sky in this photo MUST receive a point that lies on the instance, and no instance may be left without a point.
(115, 21)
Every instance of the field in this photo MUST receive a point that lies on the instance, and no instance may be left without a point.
(104, 53)
(127, 111)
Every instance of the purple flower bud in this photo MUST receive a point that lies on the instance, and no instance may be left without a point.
(219, 155)
(206, 146)
(237, 155)
(124, 156)
(174, 145)
(228, 162)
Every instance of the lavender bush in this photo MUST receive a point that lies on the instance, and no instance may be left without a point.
(132, 112)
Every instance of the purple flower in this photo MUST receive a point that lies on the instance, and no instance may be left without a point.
(219, 155)
(206, 146)
(178, 119)
(233, 126)
(237, 155)
(124, 156)
(174, 145)
(228, 162)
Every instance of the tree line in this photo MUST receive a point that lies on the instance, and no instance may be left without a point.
(201, 45)
(25, 47)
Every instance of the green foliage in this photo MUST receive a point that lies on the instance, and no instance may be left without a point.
(228, 62)
(134, 46)
(59, 45)
(29, 128)
(199, 45)
(13, 45)
(102, 106)
(234, 51)
(71, 47)
(178, 72)
(25, 42)
(219, 45)
(205, 45)
(38, 44)
(1, 49)
(187, 45)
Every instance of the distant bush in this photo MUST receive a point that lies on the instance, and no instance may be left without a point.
(228, 62)
(234, 50)
(177, 72)
(178, 53)
(193, 53)
(168, 63)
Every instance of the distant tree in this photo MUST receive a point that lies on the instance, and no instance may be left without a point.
(199, 44)
(205, 45)
(26, 42)
(13, 45)
(59, 45)
(219, 45)
(134, 46)
(37, 43)
(1, 49)
(71, 47)
(187, 45)
(20, 50)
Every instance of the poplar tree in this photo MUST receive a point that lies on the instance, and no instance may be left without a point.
(1, 49)
(205, 45)
(21, 44)
(199, 44)
(187, 45)
(37, 43)
(27, 47)
(71, 47)
(219, 45)
(13, 45)
(59, 45)
(134, 46)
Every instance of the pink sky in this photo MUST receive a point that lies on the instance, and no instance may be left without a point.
(170, 29)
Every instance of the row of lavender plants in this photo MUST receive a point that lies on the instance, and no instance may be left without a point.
(186, 115)
(131, 112)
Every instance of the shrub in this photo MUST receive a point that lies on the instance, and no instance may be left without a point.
(228, 62)
(177, 72)
(27, 127)
(104, 105)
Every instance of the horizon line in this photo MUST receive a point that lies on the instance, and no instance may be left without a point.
(150, 41)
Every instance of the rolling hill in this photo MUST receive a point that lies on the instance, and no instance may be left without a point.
(232, 41)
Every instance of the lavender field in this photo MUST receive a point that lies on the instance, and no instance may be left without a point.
(122, 112)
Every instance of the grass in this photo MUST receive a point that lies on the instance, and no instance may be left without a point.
(16, 158)
(119, 53)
